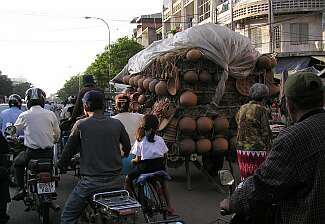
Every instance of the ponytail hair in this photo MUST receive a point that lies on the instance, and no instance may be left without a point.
(148, 128)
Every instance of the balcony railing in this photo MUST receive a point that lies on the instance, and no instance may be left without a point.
(186, 2)
(177, 6)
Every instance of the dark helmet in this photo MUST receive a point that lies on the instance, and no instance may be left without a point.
(94, 100)
(14, 100)
(35, 96)
(72, 99)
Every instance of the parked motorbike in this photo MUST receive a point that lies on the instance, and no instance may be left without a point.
(40, 191)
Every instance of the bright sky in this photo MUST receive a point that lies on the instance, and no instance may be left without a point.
(49, 41)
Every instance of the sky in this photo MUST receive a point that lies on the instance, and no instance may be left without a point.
(48, 41)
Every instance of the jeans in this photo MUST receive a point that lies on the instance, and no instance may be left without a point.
(85, 188)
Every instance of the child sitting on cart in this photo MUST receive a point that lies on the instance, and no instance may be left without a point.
(149, 150)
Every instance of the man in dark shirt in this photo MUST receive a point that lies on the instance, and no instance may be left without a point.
(293, 174)
(4, 179)
(98, 140)
(89, 84)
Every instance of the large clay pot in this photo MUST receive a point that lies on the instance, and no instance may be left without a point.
(131, 80)
(187, 125)
(142, 99)
(126, 79)
(221, 124)
(173, 85)
(146, 83)
(220, 145)
(188, 99)
(205, 76)
(264, 62)
(204, 125)
(191, 77)
(187, 146)
(193, 55)
(203, 145)
(140, 82)
(152, 85)
(140, 90)
(136, 79)
(161, 88)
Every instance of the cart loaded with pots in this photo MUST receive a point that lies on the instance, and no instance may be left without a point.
(196, 95)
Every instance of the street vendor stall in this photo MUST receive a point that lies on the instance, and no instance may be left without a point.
(195, 82)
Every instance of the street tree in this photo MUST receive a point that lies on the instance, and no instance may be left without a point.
(5, 85)
(70, 88)
(21, 88)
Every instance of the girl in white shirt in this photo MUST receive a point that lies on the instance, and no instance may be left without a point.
(149, 150)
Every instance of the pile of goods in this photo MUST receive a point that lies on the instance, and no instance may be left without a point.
(179, 87)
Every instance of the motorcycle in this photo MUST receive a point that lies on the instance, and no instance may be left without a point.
(39, 194)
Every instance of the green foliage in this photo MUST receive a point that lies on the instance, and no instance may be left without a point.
(118, 55)
(5, 85)
(70, 88)
(21, 88)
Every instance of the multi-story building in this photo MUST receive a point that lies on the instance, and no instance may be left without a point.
(148, 28)
(289, 28)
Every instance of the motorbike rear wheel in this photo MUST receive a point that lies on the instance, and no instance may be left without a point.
(44, 213)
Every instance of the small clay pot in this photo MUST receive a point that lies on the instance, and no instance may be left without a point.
(142, 99)
(203, 145)
(173, 85)
(140, 82)
(187, 146)
(161, 88)
(193, 55)
(136, 79)
(264, 62)
(187, 125)
(188, 99)
(131, 81)
(221, 124)
(204, 125)
(205, 76)
(191, 77)
(140, 90)
(220, 145)
(146, 83)
(152, 85)
(126, 79)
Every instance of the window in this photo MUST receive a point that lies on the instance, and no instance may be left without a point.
(277, 37)
(204, 9)
(256, 37)
(299, 33)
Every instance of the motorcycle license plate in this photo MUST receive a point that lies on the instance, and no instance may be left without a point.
(45, 188)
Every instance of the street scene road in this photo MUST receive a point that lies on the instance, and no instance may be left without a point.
(197, 206)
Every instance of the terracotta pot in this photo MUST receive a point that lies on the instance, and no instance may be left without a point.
(140, 90)
(203, 145)
(140, 82)
(205, 76)
(193, 55)
(136, 79)
(161, 89)
(187, 146)
(146, 83)
(126, 79)
(152, 85)
(263, 62)
(134, 96)
(187, 125)
(142, 99)
(131, 81)
(191, 77)
(220, 145)
(173, 85)
(188, 99)
(220, 124)
(204, 125)
(169, 56)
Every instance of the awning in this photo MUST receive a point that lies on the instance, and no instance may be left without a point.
(319, 58)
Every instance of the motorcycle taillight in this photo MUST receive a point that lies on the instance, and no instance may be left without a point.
(44, 177)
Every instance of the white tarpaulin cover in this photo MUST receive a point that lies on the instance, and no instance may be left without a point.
(229, 49)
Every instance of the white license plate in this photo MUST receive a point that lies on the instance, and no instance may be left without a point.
(45, 188)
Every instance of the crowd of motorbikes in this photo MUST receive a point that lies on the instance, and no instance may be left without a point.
(42, 179)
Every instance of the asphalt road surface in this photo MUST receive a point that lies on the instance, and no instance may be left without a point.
(198, 206)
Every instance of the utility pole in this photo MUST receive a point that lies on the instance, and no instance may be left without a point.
(271, 21)
(231, 15)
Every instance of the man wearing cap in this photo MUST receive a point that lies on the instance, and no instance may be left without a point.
(293, 174)
(97, 139)
(89, 84)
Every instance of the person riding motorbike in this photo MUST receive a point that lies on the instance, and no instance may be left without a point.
(41, 131)
(68, 109)
(97, 139)
(4, 180)
(89, 84)
(292, 176)
(11, 114)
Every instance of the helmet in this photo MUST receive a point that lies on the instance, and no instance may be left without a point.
(14, 100)
(72, 99)
(122, 102)
(35, 96)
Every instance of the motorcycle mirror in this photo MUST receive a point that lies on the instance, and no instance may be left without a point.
(226, 178)
(10, 131)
